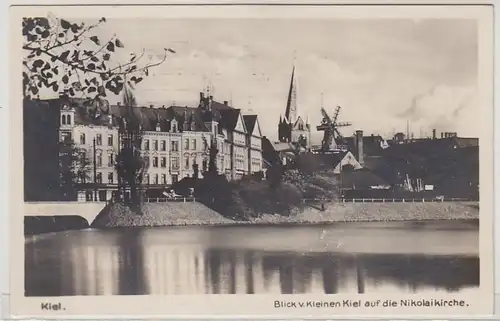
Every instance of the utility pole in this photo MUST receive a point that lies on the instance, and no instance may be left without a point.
(95, 171)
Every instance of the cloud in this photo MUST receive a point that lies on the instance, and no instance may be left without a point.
(444, 107)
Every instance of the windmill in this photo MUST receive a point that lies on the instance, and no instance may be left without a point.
(329, 126)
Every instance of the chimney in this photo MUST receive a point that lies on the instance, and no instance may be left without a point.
(110, 120)
(211, 98)
(202, 96)
(442, 135)
(359, 146)
(150, 106)
(434, 133)
(225, 102)
(118, 104)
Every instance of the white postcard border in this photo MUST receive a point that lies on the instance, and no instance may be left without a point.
(219, 306)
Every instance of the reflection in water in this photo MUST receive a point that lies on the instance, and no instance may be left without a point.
(138, 261)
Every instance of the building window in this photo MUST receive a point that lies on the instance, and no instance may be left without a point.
(146, 179)
(146, 144)
(98, 139)
(110, 140)
(98, 178)
(175, 163)
(69, 119)
(175, 178)
(65, 137)
(63, 119)
(175, 146)
(155, 144)
(163, 179)
(82, 138)
(155, 161)
(186, 162)
(193, 126)
(146, 160)
(186, 144)
(174, 127)
(163, 145)
(110, 178)
(156, 179)
(99, 160)
(163, 162)
(111, 160)
(193, 142)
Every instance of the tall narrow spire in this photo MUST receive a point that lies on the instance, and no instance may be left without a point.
(291, 104)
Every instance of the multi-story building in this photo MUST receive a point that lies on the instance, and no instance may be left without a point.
(174, 141)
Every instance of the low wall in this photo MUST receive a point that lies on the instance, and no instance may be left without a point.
(193, 213)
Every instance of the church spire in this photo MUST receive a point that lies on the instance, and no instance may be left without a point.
(291, 104)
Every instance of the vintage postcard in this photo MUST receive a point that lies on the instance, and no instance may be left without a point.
(259, 161)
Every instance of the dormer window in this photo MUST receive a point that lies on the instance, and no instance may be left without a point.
(173, 128)
(158, 128)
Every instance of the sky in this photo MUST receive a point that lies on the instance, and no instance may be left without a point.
(383, 73)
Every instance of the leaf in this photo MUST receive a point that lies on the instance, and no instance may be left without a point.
(74, 28)
(55, 70)
(101, 90)
(118, 43)
(45, 33)
(138, 80)
(103, 19)
(55, 87)
(91, 66)
(110, 46)
(91, 90)
(106, 56)
(38, 63)
(64, 55)
(94, 59)
(65, 24)
(95, 40)
(65, 79)
(61, 34)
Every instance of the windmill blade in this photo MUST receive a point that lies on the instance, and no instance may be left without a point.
(339, 134)
(325, 115)
(336, 115)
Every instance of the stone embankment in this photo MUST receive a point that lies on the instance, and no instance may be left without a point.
(193, 213)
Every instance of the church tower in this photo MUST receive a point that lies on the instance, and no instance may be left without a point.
(292, 128)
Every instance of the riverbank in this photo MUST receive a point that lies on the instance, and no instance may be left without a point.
(194, 213)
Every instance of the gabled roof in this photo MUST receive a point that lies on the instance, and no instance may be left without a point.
(229, 118)
(250, 121)
(361, 179)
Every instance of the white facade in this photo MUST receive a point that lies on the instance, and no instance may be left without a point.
(170, 155)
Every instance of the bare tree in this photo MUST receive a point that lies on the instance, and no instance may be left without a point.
(74, 168)
(130, 164)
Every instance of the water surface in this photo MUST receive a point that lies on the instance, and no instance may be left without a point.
(338, 258)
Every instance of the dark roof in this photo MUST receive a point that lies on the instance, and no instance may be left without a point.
(268, 152)
(229, 118)
(98, 113)
(371, 145)
(250, 121)
(361, 179)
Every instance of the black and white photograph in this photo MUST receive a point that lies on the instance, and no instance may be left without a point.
(253, 155)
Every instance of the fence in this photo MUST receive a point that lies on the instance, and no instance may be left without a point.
(393, 200)
(169, 199)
